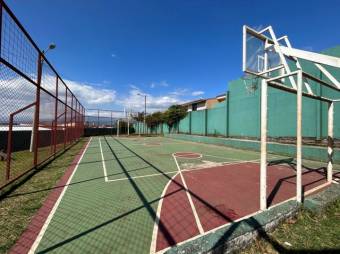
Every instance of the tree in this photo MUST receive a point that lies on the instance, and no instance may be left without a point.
(174, 114)
(154, 120)
(171, 116)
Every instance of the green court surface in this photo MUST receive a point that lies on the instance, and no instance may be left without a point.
(110, 205)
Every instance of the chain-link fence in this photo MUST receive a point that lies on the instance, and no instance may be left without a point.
(39, 115)
(109, 122)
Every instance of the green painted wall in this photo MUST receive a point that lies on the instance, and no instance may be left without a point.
(239, 115)
(244, 111)
(184, 124)
(217, 120)
(198, 122)
(309, 152)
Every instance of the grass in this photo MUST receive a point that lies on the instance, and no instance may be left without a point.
(17, 208)
(22, 161)
(309, 232)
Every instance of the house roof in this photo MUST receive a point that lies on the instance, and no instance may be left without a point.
(220, 96)
(192, 102)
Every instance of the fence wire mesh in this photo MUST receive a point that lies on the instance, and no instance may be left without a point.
(40, 116)
(109, 122)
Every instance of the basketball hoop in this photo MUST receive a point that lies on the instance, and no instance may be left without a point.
(250, 82)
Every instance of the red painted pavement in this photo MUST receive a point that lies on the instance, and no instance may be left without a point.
(177, 219)
(28, 237)
(226, 193)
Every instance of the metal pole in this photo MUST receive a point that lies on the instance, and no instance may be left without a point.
(72, 127)
(9, 148)
(263, 167)
(111, 124)
(138, 127)
(299, 139)
(55, 116)
(65, 120)
(37, 112)
(128, 124)
(118, 128)
(144, 113)
(98, 119)
(330, 141)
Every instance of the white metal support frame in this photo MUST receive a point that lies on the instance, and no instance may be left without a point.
(263, 166)
(289, 45)
(282, 57)
(270, 78)
(330, 141)
(299, 139)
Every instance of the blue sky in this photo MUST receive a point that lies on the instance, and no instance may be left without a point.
(174, 51)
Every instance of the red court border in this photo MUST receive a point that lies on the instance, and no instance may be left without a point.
(28, 237)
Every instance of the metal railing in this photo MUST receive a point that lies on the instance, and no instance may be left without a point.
(39, 114)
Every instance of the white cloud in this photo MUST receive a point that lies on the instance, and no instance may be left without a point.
(153, 103)
(180, 92)
(159, 84)
(197, 93)
(106, 82)
(90, 94)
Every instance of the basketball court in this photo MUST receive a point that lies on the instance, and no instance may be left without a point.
(146, 194)
(124, 195)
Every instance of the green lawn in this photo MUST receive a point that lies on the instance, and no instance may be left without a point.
(309, 232)
(22, 161)
(17, 209)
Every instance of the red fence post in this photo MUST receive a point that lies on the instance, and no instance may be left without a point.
(65, 119)
(56, 115)
(71, 138)
(9, 148)
(37, 112)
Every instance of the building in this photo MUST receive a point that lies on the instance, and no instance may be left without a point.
(202, 104)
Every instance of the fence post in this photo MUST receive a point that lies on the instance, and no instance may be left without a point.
(118, 128)
(65, 119)
(56, 116)
(128, 125)
(72, 130)
(97, 118)
(205, 122)
(9, 148)
(37, 112)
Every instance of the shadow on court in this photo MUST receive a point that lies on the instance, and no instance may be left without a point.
(117, 146)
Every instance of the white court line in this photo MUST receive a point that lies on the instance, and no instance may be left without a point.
(198, 222)
(50, 216)
(158, 214)
(135, 177)
(183, 170)
(145, 144)
(242, 218)
(103, 161)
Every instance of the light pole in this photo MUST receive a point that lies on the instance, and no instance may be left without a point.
(35, 124)
(144, 110)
